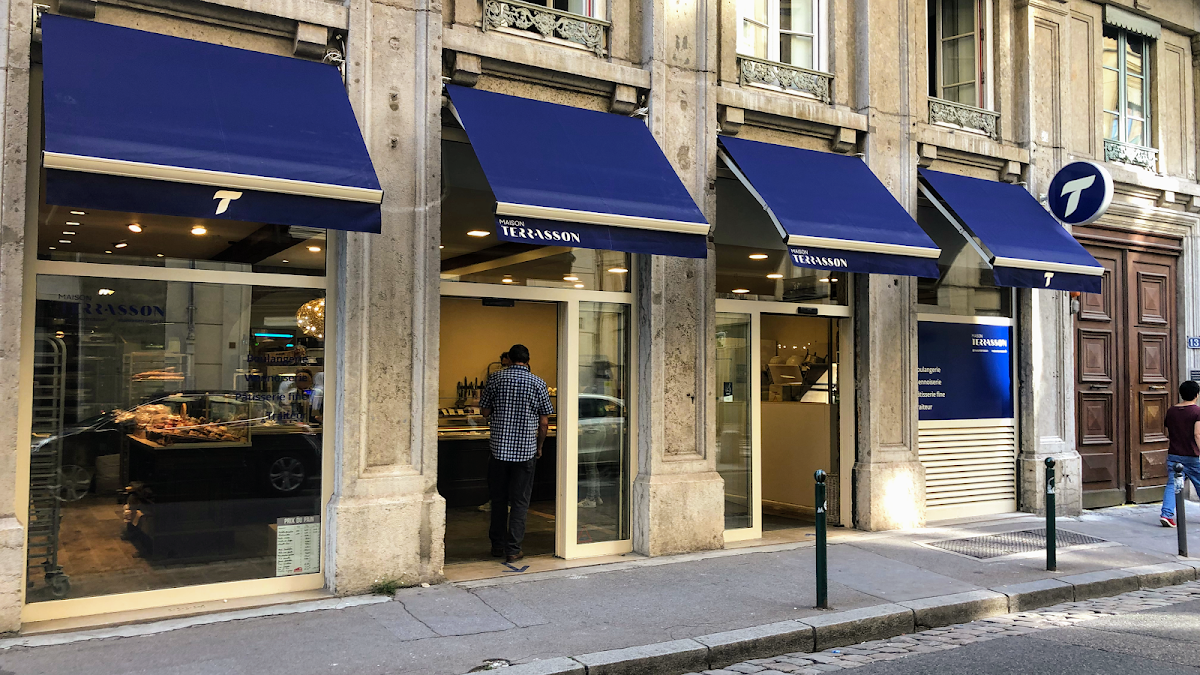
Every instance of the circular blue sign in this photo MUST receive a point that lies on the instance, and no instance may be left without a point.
(1080, 193)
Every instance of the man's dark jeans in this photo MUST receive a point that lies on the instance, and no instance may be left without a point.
(509, 484)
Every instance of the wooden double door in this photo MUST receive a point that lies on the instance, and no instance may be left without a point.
(1126, 365)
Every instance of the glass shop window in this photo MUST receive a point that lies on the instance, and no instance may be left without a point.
(965, 285)
(177, 434)
(752, 261)
(471, 250)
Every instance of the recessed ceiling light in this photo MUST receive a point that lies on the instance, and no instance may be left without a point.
(199, 230)
(68, 232)
(506, 280)
(120, 244)
(824, 280)
(758, 256)
(78, 213)
(71, 223)
(740, 291)
(478, 233)
(53, 248)
(64, 241)
(108, 251)
(441, 246)
(617, 270)
(314, 249)
(570, 277)
(134, 227)
(105, 291)
(284, 261)
(776, 275)
(159, 255)
(578, 285)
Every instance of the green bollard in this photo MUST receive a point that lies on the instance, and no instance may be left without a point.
(1051, 532)
(822, 567)
(1181, 511)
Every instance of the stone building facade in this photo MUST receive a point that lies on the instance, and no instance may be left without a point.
(870, 88)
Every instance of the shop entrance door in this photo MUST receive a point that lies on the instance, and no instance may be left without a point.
(580, 344)
(779, 383)
(1125, 376)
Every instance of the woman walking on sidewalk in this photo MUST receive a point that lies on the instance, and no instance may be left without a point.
(1183, 429)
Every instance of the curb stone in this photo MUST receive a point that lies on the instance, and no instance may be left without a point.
(802, 637)
(667, 658)
(773, 639)
(859, 625)
(1035, 594)
(1101, 584)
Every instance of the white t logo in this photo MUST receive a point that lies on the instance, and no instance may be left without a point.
(1049, 276)
(225, 196)
(1074, 188)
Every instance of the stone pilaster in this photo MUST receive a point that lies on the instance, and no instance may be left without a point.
(889, 480)
(678, 497)
(386, 518)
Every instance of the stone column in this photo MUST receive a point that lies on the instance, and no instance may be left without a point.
(387, 520)
(15, 406)
(678, 497)
(1045, 329)
(889, 480)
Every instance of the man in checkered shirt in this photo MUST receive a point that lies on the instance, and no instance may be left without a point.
(516, 404)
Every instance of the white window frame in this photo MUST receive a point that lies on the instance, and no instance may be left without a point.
(774, 32)
(984, 62)
(1122, 71)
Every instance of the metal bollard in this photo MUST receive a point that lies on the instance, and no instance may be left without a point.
(1181, 510)
(822, 568)
(1051, 529)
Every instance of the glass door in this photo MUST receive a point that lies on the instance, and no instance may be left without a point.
(737, 386)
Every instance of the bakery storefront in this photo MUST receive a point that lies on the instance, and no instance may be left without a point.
(178, 358)
(793, 227)
(540, 246)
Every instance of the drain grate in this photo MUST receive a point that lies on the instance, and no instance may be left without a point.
(1007, 543)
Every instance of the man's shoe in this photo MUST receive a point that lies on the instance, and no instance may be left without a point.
(1166, 522)
(514, 557)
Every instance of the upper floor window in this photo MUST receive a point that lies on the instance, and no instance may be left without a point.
(1126, 92)
(960, 59)
(786, 31)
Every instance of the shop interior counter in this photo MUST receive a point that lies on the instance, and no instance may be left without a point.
(463, 453)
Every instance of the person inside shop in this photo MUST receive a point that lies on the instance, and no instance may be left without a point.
(516, 404)
(504, 360)
(301, 398)
(1183, 434)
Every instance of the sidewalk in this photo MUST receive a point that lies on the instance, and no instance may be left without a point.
(452, 628)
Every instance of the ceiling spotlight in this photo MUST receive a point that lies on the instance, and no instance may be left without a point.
(134, 227)
(478, 233)
(314, 249)
(64, 241)
(506, 280)
(159, 255)
(824, 280)
(570, 277)
(578, 285)
(78, 213)
(108, 251)
(105, 291)
(71, 223)
(284, 261)
(441, 246)
(617, 270)
(758, 256)
(199, 230)
(776, 275)
(741, 291)
(53, 248)
(68, 232)
(120, 244)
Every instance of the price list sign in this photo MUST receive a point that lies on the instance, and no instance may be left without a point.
(297, 545)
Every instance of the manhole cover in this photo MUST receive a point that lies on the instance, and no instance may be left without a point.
(1007, 543)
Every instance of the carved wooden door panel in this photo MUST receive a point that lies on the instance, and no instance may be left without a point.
(1099, 384)
(1150, 281)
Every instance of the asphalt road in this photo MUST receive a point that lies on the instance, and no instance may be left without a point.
(1164, 641)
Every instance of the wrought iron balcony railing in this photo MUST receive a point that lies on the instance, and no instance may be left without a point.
(547, 22)
(790, 78)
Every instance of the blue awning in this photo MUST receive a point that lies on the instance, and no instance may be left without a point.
(1024, 244)
(831, 210)
(149, 123)
(575, 177)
